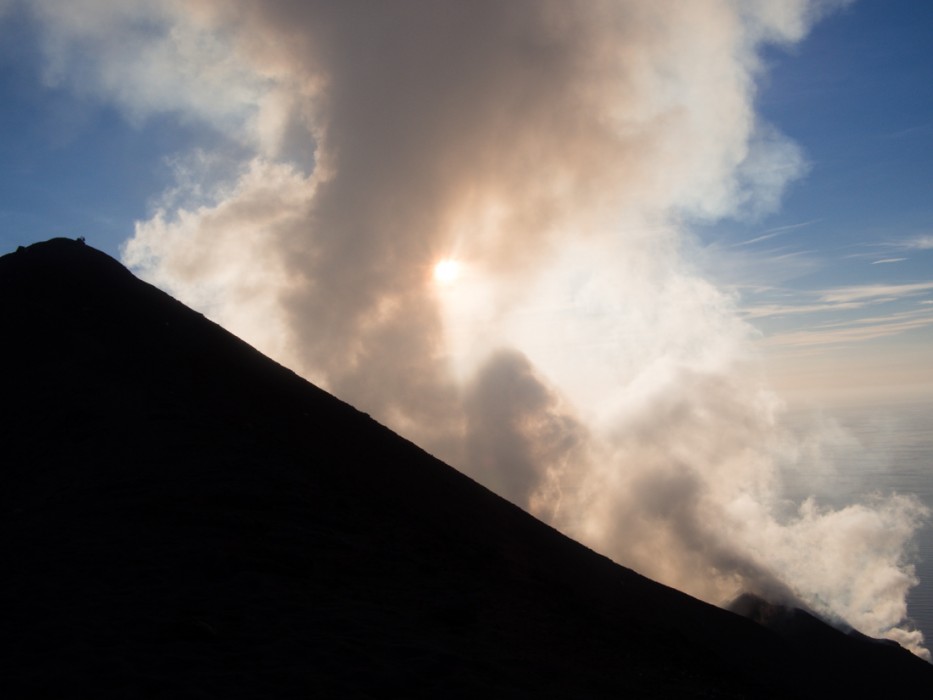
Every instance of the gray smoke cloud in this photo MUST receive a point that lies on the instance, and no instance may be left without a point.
(519, 441)
(557, 151)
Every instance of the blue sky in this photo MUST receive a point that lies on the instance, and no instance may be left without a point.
(74, 164)
(856, 96)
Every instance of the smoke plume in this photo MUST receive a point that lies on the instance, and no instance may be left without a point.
(558, 151)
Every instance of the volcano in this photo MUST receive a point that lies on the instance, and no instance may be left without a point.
(182, 517)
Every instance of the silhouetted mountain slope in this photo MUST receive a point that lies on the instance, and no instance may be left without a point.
(182, 517)
(838, 651)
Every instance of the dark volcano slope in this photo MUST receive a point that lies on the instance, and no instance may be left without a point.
(182, 517)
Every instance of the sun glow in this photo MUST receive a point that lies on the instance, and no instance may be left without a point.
(446, 271)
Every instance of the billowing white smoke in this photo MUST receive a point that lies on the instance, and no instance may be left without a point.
(558, 151)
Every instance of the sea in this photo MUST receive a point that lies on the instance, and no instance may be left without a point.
(877, 447)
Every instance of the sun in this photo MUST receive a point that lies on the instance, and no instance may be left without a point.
(446, 271)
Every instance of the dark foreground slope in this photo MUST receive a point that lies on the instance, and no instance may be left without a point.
(182, 517)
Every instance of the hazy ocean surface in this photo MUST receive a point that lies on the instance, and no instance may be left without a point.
(881, 448)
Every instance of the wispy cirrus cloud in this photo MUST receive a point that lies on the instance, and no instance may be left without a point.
(874, 292)
(891, 251)
(898, 247)
(919, 243)
(775, 232)
(834, 299)
(854, 331)
(785, 309)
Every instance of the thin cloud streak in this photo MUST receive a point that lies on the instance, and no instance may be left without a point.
(857, 331)
(774, 232)
(836, 299)
(874, 292)
(919, 243)
(775, 310)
